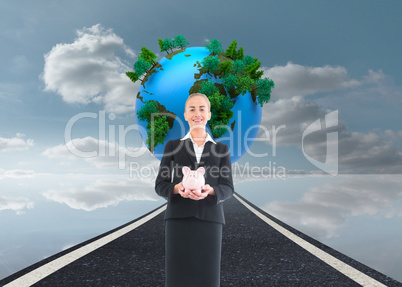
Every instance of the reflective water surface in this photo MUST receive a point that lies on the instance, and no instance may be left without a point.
(358, 215)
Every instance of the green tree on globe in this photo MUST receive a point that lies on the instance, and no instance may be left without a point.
(230, 80)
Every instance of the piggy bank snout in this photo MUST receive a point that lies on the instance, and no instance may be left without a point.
(193, 179)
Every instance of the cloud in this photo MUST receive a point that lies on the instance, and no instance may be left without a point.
(368, 153)
(102, 154)
(17, 173)
(294, 114)
(17, 143)
(358, 152)
(323, 210)
(375, 77)
(103, 193)
(17, 204)
(394, 135)
(296, 80)
(88, 70)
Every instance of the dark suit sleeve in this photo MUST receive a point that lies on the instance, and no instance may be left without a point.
(224, 189)
(163, 183)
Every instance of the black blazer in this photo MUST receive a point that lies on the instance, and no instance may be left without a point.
(218, 174)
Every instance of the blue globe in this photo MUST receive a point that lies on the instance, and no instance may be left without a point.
(169, 84)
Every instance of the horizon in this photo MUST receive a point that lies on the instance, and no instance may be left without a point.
(63, 86)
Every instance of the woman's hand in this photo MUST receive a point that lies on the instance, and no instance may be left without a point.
(208, 189)
(193, 194)
(196, 195)
(205, 191)
(179, 189)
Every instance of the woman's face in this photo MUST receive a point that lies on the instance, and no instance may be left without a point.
(197, 113)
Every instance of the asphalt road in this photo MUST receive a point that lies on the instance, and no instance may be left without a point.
(253, 254)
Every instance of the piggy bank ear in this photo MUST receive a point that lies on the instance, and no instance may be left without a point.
(186, 170)
(201, 171)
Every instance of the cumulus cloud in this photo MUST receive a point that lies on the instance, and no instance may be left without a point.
(323, 210)
(290, 114)
(102, 154)
(89, 70)
(103, 193)
(375, 77)
(294, 115)
(358, 152)
(296, 80)
(17, 204)
(394, 135)
(17, 143)
(368, 153)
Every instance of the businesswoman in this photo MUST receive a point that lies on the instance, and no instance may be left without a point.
(193, 220)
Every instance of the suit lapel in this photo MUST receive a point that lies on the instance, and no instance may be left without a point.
(189, 151)
(206, 154)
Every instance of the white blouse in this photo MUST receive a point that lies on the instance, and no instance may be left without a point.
(198, 149)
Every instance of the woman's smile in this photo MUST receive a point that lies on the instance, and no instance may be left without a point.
(197, 120)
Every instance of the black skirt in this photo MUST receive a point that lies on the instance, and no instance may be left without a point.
(193, 252)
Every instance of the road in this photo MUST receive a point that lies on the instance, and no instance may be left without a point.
(257, 250)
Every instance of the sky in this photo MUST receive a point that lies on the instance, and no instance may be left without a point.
(336, 68)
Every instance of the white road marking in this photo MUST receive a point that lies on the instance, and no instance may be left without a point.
(339, 265)
(45, 270)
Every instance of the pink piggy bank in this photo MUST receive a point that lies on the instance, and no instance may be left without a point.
(193, 179)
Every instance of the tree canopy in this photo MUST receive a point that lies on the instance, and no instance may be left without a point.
(158, 129)
(157, 126)
(208, 88)
(147, 55)
(211, 64)
(238, 67)
(240, 54)
(248, 60)
(264, 88)
(238, 74)
(252, 70)
(149, 108)
(229, 81)
(133, 76)
(167, 45)
(214, 46)
(160, 42)
(221, 106)
(180, 41)
(141, 67)
(225, 67)
(231, 50)
(244, 84)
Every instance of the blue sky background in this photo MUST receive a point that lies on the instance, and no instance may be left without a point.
(60, 59)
